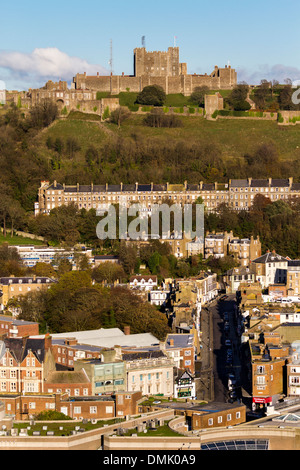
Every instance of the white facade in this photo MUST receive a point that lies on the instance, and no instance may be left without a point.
(151, 377)
(159, 297)
(31, 255)
(143, 282)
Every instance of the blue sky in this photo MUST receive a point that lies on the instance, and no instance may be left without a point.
(41, 40)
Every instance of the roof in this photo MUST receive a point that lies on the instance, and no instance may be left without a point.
(15, 321)
(239, 183)
(107, 338)
(67, 377)
(180, 341)
(139, 355)
(20, 347)
(5, 281)
(270, 257)
(146, 278)
(259, 183)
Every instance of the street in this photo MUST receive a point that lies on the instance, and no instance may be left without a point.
(220, 349)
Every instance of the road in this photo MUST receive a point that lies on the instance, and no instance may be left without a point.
(214, 350)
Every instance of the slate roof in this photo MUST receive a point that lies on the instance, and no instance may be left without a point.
(144, 187)
(240, 183)
(134, 356)
(279, 183)
(5, 281)
(20, 347)
(294, 262)
(180, 341)
(259, 183)
(270, 258)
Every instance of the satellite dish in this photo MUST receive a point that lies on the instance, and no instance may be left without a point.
(2, 349)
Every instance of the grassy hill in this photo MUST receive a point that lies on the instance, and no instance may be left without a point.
(233, 138)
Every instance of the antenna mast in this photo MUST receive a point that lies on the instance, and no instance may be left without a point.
(143, 41)
(111, 57)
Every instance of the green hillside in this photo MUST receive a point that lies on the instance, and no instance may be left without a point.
(199, 150)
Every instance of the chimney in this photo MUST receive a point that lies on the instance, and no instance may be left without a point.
(48, 342)
(127, 330)
(171, 342)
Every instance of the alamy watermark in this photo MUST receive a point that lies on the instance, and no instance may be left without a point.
(151, 222)
(296, 94)
(2, 92)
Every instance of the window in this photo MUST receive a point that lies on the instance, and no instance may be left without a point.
(238, 415)
(229, 417)
(77, 410)
(210, 422)
(220, 419)
(109, 409)
(93, 409)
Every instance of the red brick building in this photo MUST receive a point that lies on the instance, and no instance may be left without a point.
(24, 407)
(13, 328)
(24, 365)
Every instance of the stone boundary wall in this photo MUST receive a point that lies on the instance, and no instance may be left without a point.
(266, 117)
(289, 118)
(23, 234)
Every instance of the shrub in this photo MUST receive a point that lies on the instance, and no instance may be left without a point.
(51, 415)
(157, 118)
(152, 95)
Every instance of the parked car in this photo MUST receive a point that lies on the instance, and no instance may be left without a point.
(228, 343)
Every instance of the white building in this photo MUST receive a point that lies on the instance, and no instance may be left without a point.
(31, 255)
(270, 268)
(150, 372)
(141, 282)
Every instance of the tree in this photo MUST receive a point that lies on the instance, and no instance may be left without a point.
(108, 272)
(43, 114)
(152, 95)
(157, 118)
(119, 115)
(198, 95)
(72, 146)
(238, 96)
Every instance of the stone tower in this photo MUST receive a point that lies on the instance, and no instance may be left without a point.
(158, 63)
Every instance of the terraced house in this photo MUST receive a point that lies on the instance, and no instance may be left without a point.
(238, 194)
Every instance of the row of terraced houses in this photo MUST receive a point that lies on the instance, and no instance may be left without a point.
(237, 193)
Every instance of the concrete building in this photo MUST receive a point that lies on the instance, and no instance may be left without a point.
(105, 377)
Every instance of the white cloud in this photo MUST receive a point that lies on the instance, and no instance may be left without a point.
(44, 64)
(275, 72)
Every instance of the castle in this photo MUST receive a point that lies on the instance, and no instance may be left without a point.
(158, 68)
(150, 68)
